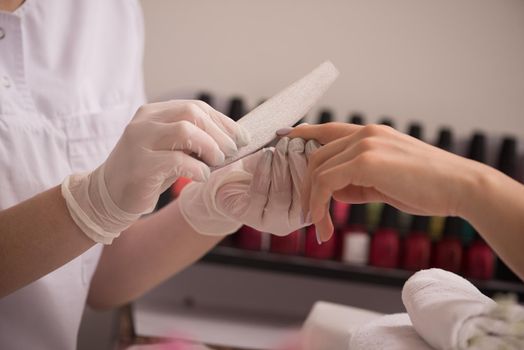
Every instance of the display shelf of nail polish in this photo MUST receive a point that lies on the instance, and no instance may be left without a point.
(453, 242)
(333, 269)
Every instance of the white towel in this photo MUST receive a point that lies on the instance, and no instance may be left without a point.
(450, 313)
(329, 326)
(391, 332)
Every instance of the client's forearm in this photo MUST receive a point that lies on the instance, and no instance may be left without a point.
(146, 254)
(496, 209)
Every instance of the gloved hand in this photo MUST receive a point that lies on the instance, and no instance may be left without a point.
(162, 142)
(261, 190)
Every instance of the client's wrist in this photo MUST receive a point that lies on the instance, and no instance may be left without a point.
(479, 183)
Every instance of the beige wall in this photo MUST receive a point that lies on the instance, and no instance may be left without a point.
(454, 62)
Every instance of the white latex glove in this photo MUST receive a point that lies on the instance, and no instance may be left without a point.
(261, 190)
(162, 142)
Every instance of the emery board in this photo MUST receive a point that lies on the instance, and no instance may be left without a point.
(284, 109)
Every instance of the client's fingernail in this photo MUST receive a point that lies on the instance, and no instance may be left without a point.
(284, 131)
(205, 174)
(243, 137)
(318, 238)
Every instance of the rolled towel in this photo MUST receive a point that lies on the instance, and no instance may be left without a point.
(330, 326)
(451, 313)
(391, 332)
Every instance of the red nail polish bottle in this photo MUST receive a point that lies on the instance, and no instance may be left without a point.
(249, 238)
(417, 245)
(355, 238)
(507, 163)
(479, 260)
(289, 244)
(339, 213)
(312, 249)
(178, 186)
(385, 242)
(448, 251)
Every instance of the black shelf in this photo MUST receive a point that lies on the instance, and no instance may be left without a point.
(332, 269)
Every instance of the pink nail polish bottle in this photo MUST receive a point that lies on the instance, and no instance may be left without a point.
(312, 249)
(385, 243)
(289, 244)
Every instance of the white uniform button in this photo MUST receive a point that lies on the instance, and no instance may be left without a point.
(5, 82)
(2, 33)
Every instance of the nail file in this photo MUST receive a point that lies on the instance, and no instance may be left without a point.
(284, 109)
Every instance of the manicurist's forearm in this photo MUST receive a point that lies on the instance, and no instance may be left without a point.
(149, 252)
(495, 207)
(37, 236)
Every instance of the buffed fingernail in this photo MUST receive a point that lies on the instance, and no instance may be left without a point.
(206, 173)
(220, 158)
(319, 241)
(243, 137)
(284, 131)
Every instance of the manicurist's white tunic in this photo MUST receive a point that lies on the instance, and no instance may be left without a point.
(70, 80)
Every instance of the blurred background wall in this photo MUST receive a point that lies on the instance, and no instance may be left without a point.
(457, 63)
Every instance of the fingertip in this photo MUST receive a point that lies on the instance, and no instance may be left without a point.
(220, 158)
(325, 228)
(282, 145)
(243, 137)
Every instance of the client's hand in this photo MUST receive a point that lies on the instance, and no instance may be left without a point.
(262, 190)
(376, 163)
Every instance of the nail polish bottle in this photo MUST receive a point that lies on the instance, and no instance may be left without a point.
(237, 108)
(479, 260)
(326, 116)
(387, 121)
(356, 118)
(338, 209)
(415, 130)
(248, 238)
(507, 163)
(447, 253)
(385, 242)
(436, 224)
(339, 213)
(404, 220)
(417, 245)
(477, 151)
(179, 185)
(289, 244)
(313, 249)
(375, 209)
(206, 97)
(355, 238)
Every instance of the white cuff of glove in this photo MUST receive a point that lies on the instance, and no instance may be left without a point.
(92, 208)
